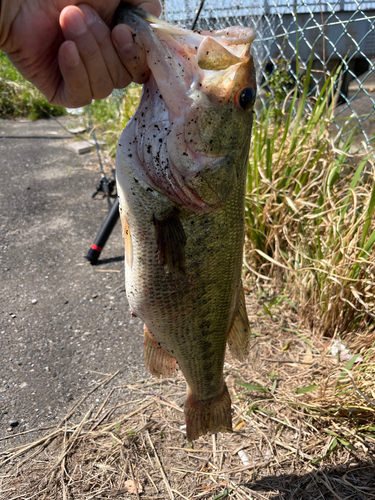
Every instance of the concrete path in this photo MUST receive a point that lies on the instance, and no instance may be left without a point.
(63, 322)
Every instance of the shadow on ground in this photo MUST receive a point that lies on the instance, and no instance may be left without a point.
(354, 481)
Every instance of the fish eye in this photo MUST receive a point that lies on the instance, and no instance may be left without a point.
(245, 98)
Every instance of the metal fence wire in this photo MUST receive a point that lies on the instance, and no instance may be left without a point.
(338, 32)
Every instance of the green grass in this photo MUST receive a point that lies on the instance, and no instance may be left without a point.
(19, 98)
(310, 212)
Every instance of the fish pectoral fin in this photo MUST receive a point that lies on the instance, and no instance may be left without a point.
(171, 241)
(213, 415)
(239, 335)
(158, 362)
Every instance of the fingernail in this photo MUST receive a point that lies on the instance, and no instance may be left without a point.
(123, 39)
(90, 16)
(75, 22)
(71, 54)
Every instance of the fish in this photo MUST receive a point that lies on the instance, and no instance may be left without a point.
(181, 166)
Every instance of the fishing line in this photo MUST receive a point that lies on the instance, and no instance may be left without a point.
(104, 184)
(95, 139)
(197, 15)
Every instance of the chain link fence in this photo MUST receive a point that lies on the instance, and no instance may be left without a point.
(336, 33)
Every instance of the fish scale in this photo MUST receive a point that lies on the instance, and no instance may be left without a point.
(181, 173)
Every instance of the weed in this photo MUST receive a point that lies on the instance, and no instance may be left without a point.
(280, 81)
(310, 212)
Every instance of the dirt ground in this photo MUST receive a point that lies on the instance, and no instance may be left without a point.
(63, 322)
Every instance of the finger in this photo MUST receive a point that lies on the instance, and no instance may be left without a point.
(131, 52)
(151, 6)
(119, 75)
(74, 90)
(74, 28)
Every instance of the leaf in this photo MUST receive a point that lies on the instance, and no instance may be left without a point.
(267, 412)
(252, 387)
(267, 311)
(330, 433)
(271, 259)
(274, 386)
(133, 486)
(352, 186)
(369, 214)
(286, 347)
(224, 494)
(350, 363)
(304, 390)
(331, 450)
(240, 425)
(345, 443)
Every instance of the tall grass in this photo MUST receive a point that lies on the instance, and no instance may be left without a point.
(310, 212)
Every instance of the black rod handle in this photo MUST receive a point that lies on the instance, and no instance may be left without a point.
(104, 233)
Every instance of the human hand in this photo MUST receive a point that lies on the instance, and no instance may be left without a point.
(68, 51)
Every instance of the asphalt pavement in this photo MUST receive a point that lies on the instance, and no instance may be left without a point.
(63, 322)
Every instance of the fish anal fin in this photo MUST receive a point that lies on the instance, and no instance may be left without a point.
(239, 335)
(171, 241)
(158, 362)
(212, 415)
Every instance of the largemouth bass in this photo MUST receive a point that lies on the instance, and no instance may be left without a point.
(181, 173)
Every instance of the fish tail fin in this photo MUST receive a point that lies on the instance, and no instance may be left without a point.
(158, 362)
(212, 415)
(239, 335)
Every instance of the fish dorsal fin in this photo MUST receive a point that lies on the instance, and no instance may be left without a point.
(171, 241)
(239, 335)
(212, 55)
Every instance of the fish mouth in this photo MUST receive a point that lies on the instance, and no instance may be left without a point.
(188, 60)
(189, 71)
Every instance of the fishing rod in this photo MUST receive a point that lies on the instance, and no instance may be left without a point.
(197, 15)
(106, 186)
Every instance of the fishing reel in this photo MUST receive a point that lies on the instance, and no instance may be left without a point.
(105, 186)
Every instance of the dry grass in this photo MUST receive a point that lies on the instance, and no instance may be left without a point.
(304, 428)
